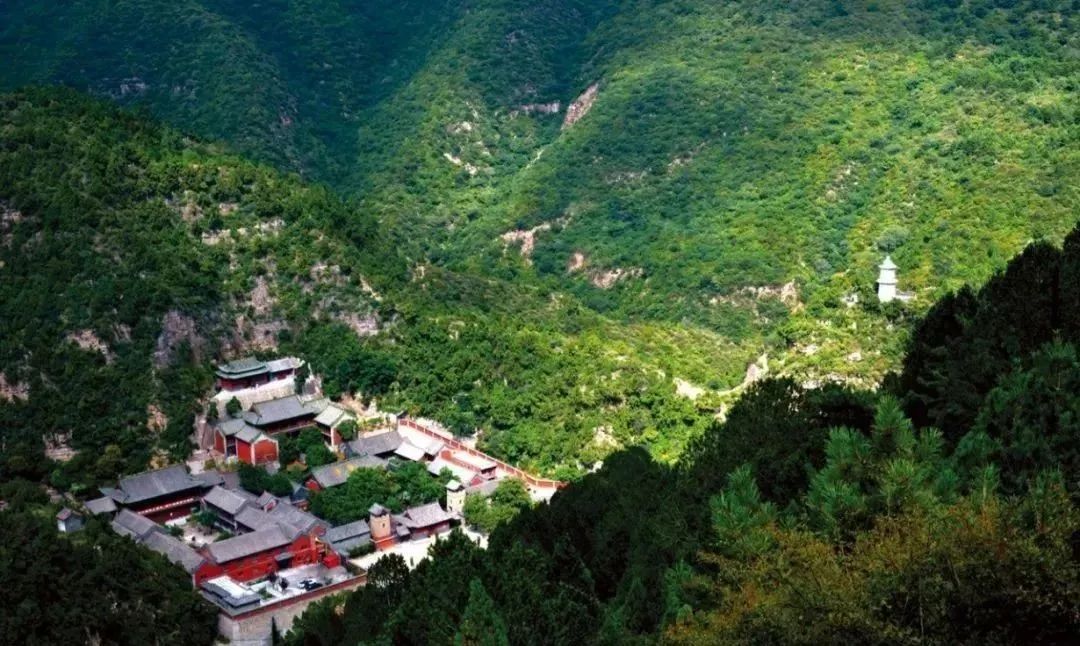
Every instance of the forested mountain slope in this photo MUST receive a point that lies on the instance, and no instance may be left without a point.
(600, 203)
(940, 509)
(726, 145)
(132, 258)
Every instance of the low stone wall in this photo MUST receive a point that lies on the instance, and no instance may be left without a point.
(459, 446)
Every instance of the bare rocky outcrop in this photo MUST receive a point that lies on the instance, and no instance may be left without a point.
(366, 287)
(176, 329)
(250, 336)
(526, 238)
(626, 177)
(325, 274)
(156, 421)
(462, 127)
(260, 298)
(133, 86)
(58, 446)
(576, 263)
(756, 370)
(268, 228)
(457, 161)
(581, 105)
(121, 332)
(604, 438)
(599, 277)
(685, 158)
(213, 238)
(688, 390)
(363, 326)
(8, 215)
(190, 212)
(788, 294)
(606, 279)
(90, 341)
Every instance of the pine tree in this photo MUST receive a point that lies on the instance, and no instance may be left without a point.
(481, 624)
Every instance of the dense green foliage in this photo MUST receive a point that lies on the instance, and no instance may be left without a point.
(730, 143)
(876, 528)
(406, 484)
(488, 512)
(115, 295)
(92, 587)
(732, 148)
(133, 257)
(256, 480)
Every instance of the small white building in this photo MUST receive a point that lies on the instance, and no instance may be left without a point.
(887, 283)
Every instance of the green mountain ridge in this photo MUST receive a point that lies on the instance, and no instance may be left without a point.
(730, 146)
(721, 204)
(132, 257)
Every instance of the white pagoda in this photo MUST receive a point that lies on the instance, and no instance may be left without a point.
(887, 283)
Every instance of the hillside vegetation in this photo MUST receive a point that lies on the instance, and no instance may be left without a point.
(728, 144)
(809, 516)
(586, 208)
(132, 258)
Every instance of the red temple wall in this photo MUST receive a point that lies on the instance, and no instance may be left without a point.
(305, 551)
(265, 451)
(243, 452)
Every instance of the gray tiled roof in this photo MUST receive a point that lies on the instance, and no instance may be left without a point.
(231, 426)
(285, 363)
(345, 546)
(255, 519)
(378, 444)
(336, 473)
(246, 367)
(333, 415)
(174, 550)
(304, 522)
(409, 452)
(102, 505)
(474, 461)
(247, 544)
(279, 410)
(432, 447)
(230, 480)
(425, 515)
(484, 489)
(436, 466)
(231, 502)
(128, 523)
(249, 434)
(153, 484)
(211, 478)
(345, 532)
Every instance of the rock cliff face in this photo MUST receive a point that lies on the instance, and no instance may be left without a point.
(581, 105)
(176, 329)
